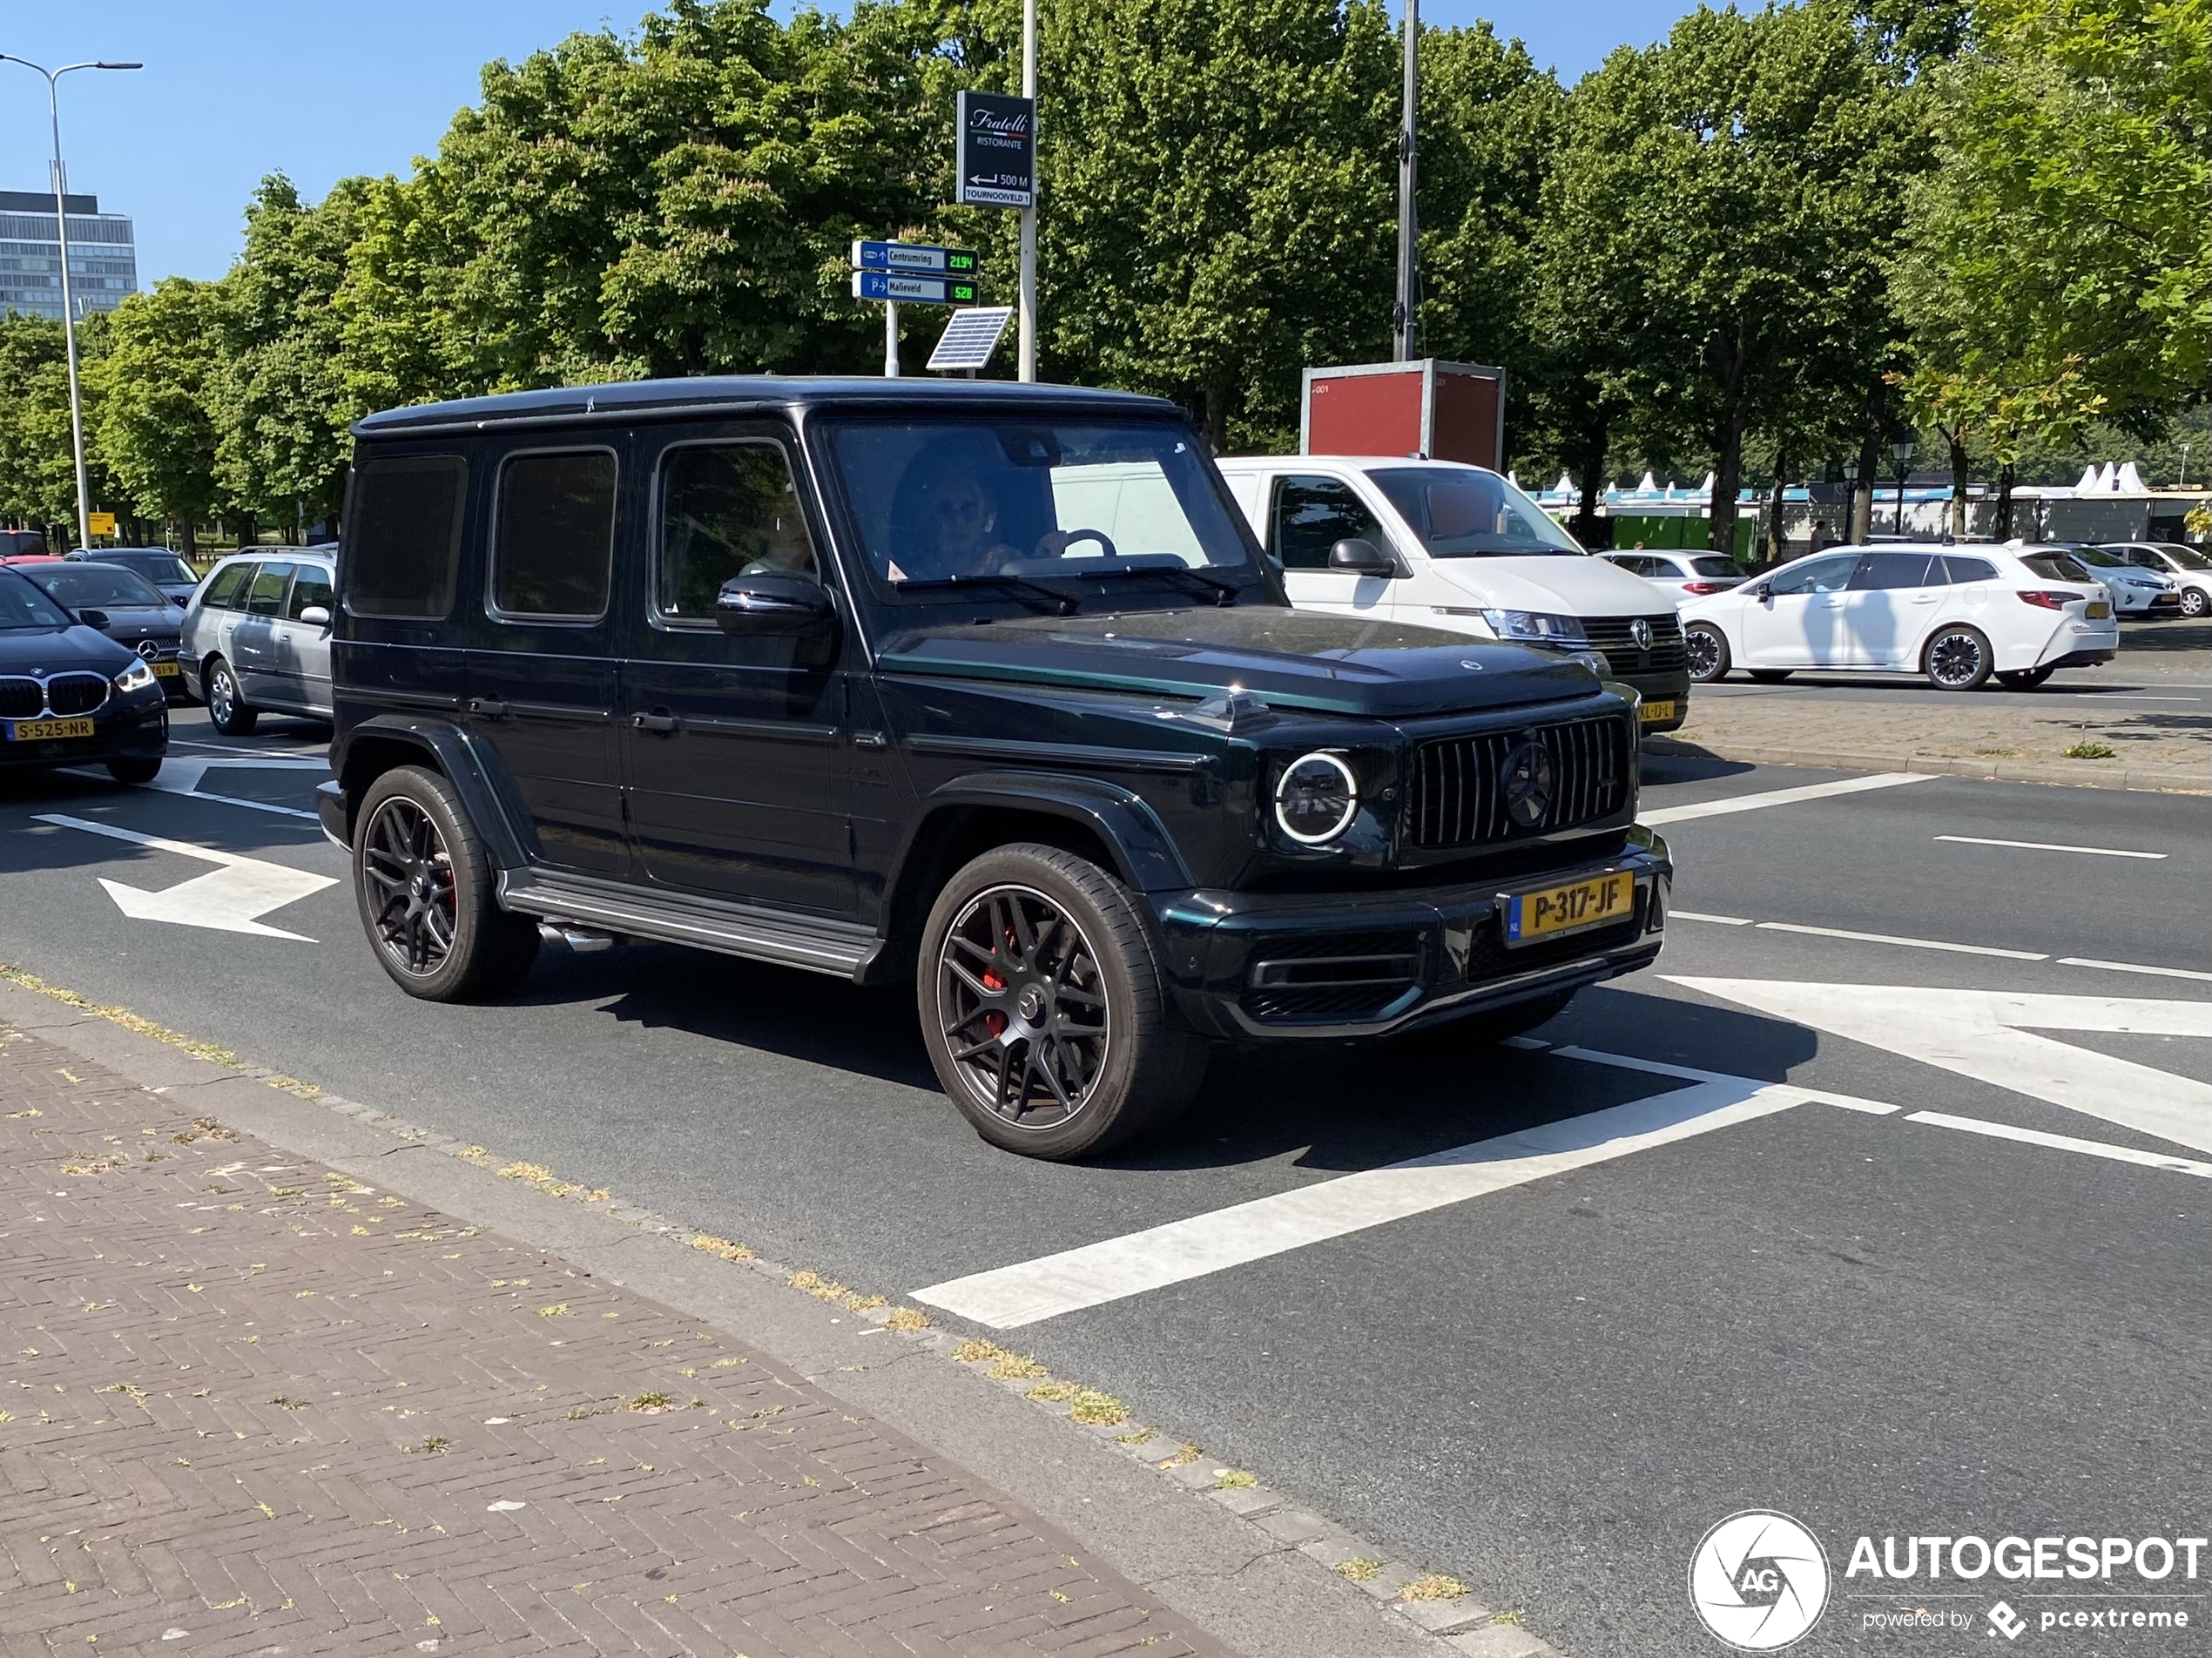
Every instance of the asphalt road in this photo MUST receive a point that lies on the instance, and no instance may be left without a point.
(1993, 1323)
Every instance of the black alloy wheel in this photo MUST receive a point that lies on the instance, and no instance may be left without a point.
(1023, 1005)
(1707, 653)
(427, 893)
(1045, 1007)
(1958, 659)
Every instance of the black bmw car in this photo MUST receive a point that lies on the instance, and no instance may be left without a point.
(70, 695)
(135, 614)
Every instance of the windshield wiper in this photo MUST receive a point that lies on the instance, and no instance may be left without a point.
(1060, 602)
(1223, 592)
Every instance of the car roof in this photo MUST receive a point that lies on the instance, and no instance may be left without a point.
(1358, 462)
(741, 393)
(324, 554)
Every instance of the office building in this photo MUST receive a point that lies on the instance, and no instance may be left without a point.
(102, 258)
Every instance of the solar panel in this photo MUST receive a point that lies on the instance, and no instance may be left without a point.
(970, 337)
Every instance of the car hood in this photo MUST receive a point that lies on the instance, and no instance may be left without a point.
(58, 650)
(132, 623)
(1561, 584)
(1296, 658)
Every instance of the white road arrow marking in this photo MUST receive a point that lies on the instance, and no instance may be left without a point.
(1989, 1035)
(227, 900)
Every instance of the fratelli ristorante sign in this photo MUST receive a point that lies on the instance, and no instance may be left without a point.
(998, 149)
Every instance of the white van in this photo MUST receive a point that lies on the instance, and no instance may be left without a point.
(1447, 545)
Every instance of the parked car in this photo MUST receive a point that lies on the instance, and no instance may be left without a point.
(70, 695)
(2190, 569)
(19, 544)
(979, 686)
(1958, 614)
(2134, 591)
(122, 604)
(1440, 544)
(257, 637)
(164, 569)
(1679, 575)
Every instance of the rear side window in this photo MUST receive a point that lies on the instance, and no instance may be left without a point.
(266, 596)
(310, 587)
(403, 544)
(227, 591)
(1959, 571)
(555, 544)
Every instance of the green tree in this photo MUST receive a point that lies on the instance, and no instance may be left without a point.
(156, 429)
(37, 466)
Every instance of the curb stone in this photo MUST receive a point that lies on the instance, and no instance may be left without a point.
(2084, 774)
(167, 1063)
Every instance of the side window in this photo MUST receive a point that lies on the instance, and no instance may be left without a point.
(2147, 559)
(725, 509)
(1880, 571)
(266, 596)
(227, 591)
(553, 548)
(1311, 514)
(404, 540)
(1818, 575)
(310, 587)
(1959, 571)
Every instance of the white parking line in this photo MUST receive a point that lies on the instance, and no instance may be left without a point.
(1891, 938)
(1783, 796)
(2049, 846)
(1717, 921)
(2065, 1142)
(2132, 966)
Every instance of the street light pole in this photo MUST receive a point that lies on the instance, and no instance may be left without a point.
(1402, 333)
(69, 309)
(2185, 467)
(1901, 451)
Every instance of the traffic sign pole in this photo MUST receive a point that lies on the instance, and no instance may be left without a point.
(891, 339)
(1027, 292)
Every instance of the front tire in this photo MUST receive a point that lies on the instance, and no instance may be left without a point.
(428, 895)
(1708, 648)
(227, 709)
(1956, 658)
(1045, 1009)
(125, 770)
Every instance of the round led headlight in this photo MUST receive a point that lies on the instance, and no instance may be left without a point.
(1316, 799)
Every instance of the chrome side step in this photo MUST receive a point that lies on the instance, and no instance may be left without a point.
(585, 910)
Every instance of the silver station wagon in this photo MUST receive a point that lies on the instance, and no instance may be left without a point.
(257, 637)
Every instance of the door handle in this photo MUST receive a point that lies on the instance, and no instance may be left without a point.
(664, 724)
(870, 740)
(1924, 598)
(487, 707)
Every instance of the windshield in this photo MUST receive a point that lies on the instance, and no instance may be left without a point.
(2055, 567)
(944, 500)
(1715, 565)
(78, 585)
(23, 605)
(1463, 512)
(155, 567)
(2186, 557)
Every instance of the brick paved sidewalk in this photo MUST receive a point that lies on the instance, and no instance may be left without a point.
(250, 1405)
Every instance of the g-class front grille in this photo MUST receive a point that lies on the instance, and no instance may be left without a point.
(1615, 635)
(1462, 796)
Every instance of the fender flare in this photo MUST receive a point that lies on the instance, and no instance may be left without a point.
(1145, 855)
(468, 764)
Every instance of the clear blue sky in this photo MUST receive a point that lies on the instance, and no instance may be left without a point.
(235, 89)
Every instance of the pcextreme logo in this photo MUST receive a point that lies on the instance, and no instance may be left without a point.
(1758, 1581)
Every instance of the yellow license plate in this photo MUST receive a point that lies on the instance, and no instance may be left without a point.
(164, 670)
(1663, 709)
(1564, 909)
(38, 731)
(2098, 611)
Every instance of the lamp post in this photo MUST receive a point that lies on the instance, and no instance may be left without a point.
(69, 310)
(1403, 335)
(2185, 467)
(1901, 452)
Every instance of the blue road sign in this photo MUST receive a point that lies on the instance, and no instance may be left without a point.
(913, 290)
(916, 259)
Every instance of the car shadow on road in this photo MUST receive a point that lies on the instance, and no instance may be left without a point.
(1681, 762)
(1333, 1106)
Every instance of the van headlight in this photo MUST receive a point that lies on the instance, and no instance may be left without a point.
(1316, 798)
(136, 676)
(1536, 627)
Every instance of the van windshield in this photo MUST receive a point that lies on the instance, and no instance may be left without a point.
(1457, 512)
(944, 500)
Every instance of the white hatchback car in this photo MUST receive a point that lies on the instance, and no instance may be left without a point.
(1441, 544)
(2185, 564)
(1958, 614)
(1680, 576)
